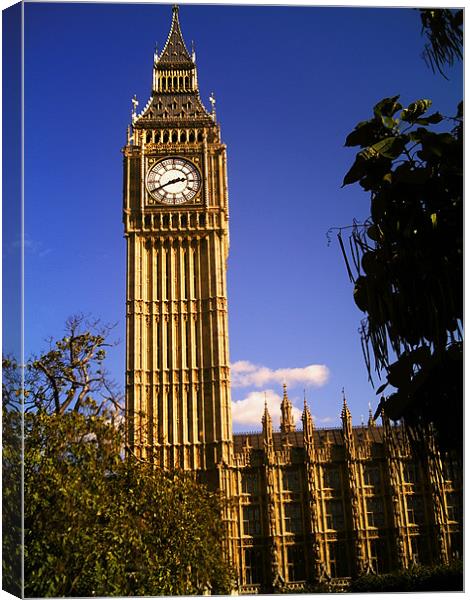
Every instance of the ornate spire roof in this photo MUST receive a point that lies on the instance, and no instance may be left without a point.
(307, 422)
(345, 413)
(175, 91)
(267, 421)
(287, 420)
(306, 411)
(175, 52)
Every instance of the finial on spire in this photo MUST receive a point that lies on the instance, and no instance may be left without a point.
(287, 419)
(212, 101)
(175, 10)
(135, 104)
(371, 421)
(345, 411)
(266, 420)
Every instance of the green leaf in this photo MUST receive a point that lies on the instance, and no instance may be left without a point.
(355, 173)
(390, 147)
(360, 293)
(363, 135)
(415, 110)
(431, 120)
(387, 107)
(381, 389)
(389, 122)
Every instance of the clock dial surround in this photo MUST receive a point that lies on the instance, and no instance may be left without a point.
(173, 180)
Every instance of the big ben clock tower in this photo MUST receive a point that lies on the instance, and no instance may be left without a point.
(176, 227)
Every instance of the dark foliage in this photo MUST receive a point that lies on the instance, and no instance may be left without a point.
(443, 29)
(11, 477)
(441, 578)
(406, 262)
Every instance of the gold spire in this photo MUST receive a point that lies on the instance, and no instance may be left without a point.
(345, 413)
(266, 420)
(307, 422)
(175, 52)
(287, 419)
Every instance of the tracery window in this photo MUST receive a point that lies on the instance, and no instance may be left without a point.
(375, 512)
(251, 520)
(295, 563)
(415, 509)
(372, 476)
(291, 480)
(379, 555)
(250, 483)
(337, 559)
(292, 517)
(334, 513)
(253, 565)
(454, 507)
(331, 478)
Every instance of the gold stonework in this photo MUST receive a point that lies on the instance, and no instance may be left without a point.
(305, 505)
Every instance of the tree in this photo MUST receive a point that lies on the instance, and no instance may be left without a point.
(71, 375)
(97, 521)
(406, 259)
(11, 477)
(443, 31)
(98, 525)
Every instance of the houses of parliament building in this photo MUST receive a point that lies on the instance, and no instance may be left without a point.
(303, 505)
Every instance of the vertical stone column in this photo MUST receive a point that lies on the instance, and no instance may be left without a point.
(310, 466)
(276, 579)
(351, 463)
(437, 488)
(393, 462)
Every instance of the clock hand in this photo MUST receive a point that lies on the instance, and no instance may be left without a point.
(177, 180)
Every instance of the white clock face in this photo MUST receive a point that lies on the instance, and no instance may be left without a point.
(173, 180)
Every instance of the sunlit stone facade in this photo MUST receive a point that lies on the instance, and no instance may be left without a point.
(304, 505)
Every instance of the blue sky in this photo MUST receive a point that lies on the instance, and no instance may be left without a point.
(290, 84)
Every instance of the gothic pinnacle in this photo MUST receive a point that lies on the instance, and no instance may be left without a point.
(287, 420)
(345, 413)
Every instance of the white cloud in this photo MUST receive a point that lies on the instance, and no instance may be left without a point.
(324, 420)
(30, 246)
(249, 411)
(246, 374)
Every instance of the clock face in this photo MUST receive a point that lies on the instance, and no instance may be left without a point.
(173, 180)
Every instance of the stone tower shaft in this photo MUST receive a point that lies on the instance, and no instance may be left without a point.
(177, 362)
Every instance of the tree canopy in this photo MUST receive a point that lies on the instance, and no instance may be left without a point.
(97, 521)
(406, 260)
